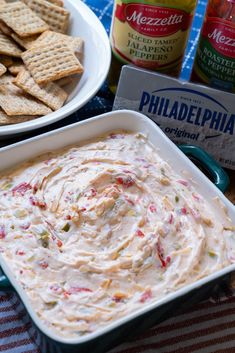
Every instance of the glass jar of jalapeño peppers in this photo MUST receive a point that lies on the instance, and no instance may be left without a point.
(149, 34)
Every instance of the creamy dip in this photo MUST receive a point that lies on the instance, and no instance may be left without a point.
(97, 231)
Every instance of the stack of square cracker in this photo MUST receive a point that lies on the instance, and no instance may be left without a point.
(37, 58)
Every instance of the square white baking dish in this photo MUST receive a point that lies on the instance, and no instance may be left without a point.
(105, 338)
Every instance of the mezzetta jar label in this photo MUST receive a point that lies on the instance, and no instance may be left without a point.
(149, 36)
(216, 52)
(153, 20)
(221, 35)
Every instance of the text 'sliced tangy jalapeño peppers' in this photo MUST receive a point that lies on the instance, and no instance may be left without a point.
(214, 63)
(150, 34)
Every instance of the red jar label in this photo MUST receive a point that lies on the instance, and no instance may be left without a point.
(221, 36)
(215, 60)
(153, 21)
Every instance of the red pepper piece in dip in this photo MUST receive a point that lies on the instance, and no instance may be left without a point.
(146, 296)
(160, 252)
(139, 233)
(43, 264)
(2, 231)
(184, 211)
(152, 208)
(75, 290)
(126, 181)
(20, 252)
(183, 182)
(21, 189)
(35, 202)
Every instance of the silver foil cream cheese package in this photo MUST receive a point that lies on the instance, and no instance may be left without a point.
(186, 112)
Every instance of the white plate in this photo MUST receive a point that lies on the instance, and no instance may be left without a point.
(85, 24)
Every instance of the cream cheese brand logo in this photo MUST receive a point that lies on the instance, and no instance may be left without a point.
(153, 20)
(159, 104)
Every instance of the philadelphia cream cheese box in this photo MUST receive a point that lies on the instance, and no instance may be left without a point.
(186, 112)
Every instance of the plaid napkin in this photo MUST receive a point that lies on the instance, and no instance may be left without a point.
(209, 327)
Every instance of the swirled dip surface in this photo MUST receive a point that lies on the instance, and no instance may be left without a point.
(99, 230)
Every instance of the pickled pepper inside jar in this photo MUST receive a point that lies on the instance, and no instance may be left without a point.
(221, 9)
(214, 63)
